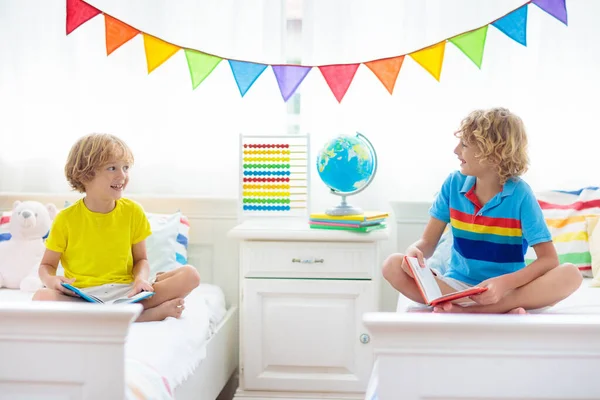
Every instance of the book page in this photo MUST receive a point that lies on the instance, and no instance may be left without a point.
(425, 280)
(133, 299)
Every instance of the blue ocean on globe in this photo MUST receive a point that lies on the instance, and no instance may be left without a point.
(346, 163)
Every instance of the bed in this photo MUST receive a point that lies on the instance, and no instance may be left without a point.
(87, 351)
(419, 355)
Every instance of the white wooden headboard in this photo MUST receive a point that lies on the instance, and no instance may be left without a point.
(209, 249)
(410, 218)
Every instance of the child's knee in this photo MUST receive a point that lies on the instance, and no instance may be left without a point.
(570, 276)
(44, 295)
(392, 266)
(191, 276)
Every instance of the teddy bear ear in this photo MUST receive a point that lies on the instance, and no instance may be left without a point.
(16, 204)
(52, 210)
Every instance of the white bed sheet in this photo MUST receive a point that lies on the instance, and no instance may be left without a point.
(585, 300)
(174, 347)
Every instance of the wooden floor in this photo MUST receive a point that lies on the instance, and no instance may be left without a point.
(229, 389)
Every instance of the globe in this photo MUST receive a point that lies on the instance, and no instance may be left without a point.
(347, 165)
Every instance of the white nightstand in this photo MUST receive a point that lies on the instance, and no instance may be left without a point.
(303, 294)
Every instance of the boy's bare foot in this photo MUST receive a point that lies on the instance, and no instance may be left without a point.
(449, 308)
(454, 308)
(171, 308)
(159, 277)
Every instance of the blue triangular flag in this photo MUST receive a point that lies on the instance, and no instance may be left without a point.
(245, 74)
(514, 25)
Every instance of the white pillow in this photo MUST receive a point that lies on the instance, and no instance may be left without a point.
(167, 246)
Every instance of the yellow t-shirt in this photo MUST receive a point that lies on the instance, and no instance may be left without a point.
(96, 247)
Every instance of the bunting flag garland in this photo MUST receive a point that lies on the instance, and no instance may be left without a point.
(338, 77)
(514, 25)
(157, 51)
(117, 33)
(200, 65)
(431, 58)
(245, 74)
(556, 8)
(386, 71)
(79, 12)
(289, 77)
(472, 44)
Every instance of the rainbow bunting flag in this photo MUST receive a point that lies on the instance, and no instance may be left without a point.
(338, 77)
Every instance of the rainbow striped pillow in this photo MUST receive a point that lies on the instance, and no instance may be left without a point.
(565, 213)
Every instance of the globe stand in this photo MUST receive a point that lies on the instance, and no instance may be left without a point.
(344, 209)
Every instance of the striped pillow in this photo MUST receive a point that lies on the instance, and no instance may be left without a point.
(565, 213)
(4, 222)
(167, 246)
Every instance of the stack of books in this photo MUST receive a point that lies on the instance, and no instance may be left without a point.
(367, 222)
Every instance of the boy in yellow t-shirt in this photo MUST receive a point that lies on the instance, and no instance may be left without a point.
(100, 239)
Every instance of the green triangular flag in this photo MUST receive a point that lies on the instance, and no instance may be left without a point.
(472, 43)
(200, 65)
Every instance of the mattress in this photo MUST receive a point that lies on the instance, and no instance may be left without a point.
(586, 300)
(173, 348)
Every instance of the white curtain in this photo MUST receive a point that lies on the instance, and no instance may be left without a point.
(552, 84)
(54, 88)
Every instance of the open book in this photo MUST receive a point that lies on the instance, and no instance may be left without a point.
(121, 300)
(429, 288)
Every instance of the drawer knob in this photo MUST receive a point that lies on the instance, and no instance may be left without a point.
(364, 338)
(308, 260)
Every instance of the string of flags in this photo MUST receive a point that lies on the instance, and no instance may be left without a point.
(289, 77)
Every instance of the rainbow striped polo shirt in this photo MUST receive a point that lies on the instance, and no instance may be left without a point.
(492, 240)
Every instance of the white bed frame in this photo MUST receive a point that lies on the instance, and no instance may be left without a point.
(46, 349)
(492, 357)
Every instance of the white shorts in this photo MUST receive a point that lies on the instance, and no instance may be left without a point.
(454, 283)
(109, 291)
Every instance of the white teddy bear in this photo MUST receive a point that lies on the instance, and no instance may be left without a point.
(20, 256)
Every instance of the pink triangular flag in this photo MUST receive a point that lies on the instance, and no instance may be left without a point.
(79, 12)
(338, 78)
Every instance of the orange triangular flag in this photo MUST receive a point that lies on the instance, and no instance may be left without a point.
(157, 51)
(386, 70)
(431, 58)
(117, 33)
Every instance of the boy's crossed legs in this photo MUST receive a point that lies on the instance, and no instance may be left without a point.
(170, 288)
(547, 290)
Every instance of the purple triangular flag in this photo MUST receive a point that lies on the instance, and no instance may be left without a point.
(289, 77)
(556, 8)
(514, 25)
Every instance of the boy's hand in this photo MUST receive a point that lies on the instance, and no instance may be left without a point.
(497, 288)
(55, 282)
(413, 252)
(140, 285)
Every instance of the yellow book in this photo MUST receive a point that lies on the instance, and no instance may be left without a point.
(366, 216)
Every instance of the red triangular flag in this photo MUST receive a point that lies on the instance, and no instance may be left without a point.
(79, 12)
(386, 70)
(339, 77)
(117, 33)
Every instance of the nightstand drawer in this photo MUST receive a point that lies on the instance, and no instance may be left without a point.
(308, 259)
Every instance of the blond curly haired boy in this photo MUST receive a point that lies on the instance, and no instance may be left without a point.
(494, 217)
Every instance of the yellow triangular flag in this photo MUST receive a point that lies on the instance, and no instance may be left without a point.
(431, 58)
(157, 51)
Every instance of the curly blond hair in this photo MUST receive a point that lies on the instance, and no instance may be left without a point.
(500, 139)
(90, 153)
